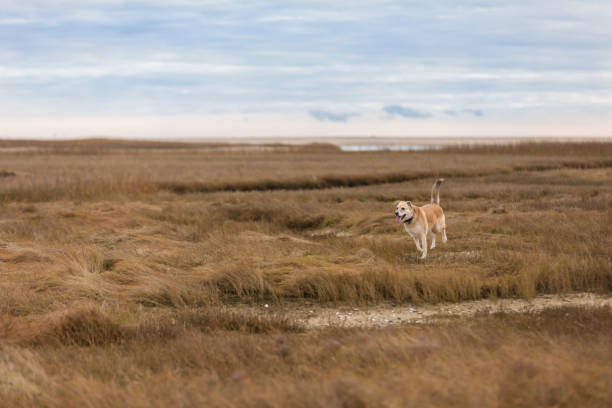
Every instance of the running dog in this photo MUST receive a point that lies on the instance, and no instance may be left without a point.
(419, 222)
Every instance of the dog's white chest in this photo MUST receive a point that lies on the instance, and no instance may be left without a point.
(413, 229)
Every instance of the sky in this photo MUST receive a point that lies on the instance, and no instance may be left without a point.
(214, 68)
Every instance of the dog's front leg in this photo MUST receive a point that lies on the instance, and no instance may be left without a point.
(417, 243)
(424, 245)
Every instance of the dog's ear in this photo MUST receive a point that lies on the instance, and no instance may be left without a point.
(409, 203)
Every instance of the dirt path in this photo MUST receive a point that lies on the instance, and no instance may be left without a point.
(384, 315)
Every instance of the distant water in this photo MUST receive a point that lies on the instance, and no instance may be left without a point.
(374, 148)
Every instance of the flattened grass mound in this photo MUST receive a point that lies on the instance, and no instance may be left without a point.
(6, 173)
(92, 327)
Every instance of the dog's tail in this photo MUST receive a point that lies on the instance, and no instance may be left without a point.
(435, 191)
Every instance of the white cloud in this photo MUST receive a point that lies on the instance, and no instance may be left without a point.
(7, 21)
(120, 68)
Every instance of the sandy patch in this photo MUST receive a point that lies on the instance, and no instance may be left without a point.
(385, 315)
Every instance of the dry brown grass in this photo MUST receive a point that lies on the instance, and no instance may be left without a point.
(512, 234)
(121, 264)
(560, 358)
(94, 171)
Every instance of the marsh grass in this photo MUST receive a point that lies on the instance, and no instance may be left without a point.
(511, 234)
(129, 273)
(90, 326)
(556, 358)
(102, 169)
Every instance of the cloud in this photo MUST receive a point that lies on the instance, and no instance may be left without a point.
(405, 112)
(16, 21)
(311, 59)
(324, 116)
(475, 112)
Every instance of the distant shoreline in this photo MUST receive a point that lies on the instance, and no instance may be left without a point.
(393, 141)
(344, 143)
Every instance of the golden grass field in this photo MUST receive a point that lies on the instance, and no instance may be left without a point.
(135, 274)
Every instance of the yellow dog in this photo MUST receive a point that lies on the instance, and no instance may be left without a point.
(419, 222)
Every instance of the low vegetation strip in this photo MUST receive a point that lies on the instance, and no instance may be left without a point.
(101, 145)
(357, 180)
(6, 173)
(89, 326)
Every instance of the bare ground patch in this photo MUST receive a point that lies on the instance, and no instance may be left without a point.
(315, 316)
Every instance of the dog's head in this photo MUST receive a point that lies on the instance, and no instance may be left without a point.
(404, 211)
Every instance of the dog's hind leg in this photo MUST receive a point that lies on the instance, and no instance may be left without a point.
(444, 239)
(432, 235)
